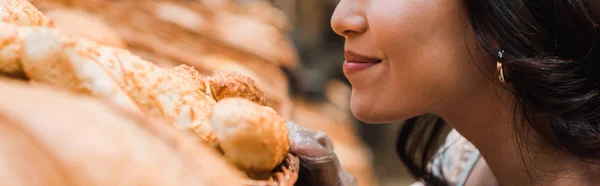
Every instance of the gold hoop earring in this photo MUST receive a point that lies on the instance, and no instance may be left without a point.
(501, 72)
(500, 68)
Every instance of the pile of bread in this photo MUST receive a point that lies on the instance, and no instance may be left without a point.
(229, 48)
(209, 35)
(86, 142)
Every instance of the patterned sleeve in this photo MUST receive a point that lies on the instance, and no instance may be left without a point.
(455, 160)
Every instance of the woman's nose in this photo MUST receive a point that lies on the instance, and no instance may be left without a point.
(348, 19)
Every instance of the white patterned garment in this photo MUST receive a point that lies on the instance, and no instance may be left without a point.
(455, 160)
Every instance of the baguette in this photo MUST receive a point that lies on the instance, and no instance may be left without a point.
(48, 58)
(153, 89)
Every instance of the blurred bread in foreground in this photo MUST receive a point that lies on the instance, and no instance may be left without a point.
(52, 138)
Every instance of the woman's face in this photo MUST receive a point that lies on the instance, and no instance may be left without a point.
(409, 57)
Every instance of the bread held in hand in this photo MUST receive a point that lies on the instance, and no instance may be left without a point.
(251, 136)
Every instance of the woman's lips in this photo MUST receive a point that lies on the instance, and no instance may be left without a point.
(355, 62)
(351, 67)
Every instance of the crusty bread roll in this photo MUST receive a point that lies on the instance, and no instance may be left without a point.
(153, 89)
(55, 139)
(251, 136)
(225, 84)
(46, 61)
(78, 23)
(18, 12)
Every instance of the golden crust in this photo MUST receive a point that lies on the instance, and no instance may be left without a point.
(47, 58)
(156, 90)
(51, 138)
(225, 84)
(252, 137)
(188, 72)
(21, 12)
(153, 89)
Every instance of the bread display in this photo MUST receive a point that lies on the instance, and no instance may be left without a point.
(206, 35)
(154, 90)
(98, 68)
(253, 137)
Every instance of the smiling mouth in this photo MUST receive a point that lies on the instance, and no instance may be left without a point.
(352, 57)
(356, 63)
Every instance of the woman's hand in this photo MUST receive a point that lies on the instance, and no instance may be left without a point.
(320, 166)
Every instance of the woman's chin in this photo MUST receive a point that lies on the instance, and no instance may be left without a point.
(371, 110)
(371, 114)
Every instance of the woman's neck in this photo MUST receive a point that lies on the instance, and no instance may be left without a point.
(486, 120)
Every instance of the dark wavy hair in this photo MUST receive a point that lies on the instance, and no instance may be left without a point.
(552, 58)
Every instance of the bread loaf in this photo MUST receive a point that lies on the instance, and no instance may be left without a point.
(251, 136)
(153, 89)
(258, 144)
(47, 58)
